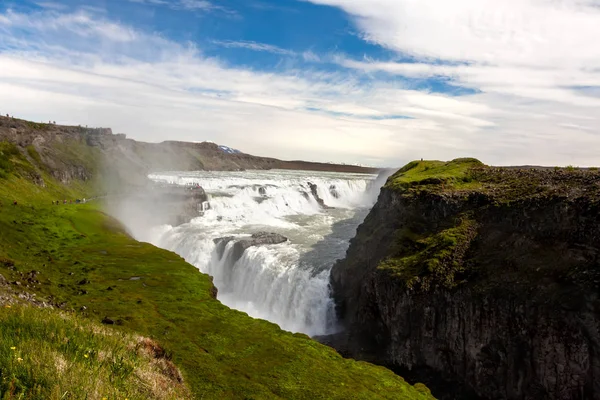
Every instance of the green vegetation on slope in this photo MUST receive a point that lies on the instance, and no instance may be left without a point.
(455, 173)
(11, 160)
(444, 203)
(46, 354)
(427, 257)
(87, 262)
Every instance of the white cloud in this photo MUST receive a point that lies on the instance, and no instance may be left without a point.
(244, 44)
(533, 49)
(187, 5)
(51, 5)
(81, 68)
(81, 24)
(310, 56)
(518, 32)
(535, 64)
(196, 5)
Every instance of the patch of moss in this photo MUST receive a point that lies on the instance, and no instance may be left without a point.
(35, 156)
(426, 259)
(75, 153)
(38, 126)
(12, 161)
(421, 173)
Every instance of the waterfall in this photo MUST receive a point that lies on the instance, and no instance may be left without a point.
(285, 283)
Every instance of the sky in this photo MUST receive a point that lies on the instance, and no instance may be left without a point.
(372, 82)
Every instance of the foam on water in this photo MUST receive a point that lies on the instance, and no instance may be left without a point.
(286, 283)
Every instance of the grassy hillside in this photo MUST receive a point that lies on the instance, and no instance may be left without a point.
(75, 153)
(60, 356)
(82, 260)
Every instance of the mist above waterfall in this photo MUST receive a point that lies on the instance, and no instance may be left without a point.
(286, 283)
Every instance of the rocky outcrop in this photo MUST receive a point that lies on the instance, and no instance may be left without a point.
(314, 191)
(334, 192)
(484, 280)
(257, 239)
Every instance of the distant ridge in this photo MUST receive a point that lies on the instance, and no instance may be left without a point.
(76, 152)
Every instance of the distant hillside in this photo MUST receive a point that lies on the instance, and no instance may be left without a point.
(77, 153)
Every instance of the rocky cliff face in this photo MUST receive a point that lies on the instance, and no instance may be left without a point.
(480, 280)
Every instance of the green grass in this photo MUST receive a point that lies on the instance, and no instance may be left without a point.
(426, 258)
(9, 156)
(34, 155)
(455, 173)
(85, 259)
(60, 356)
(38, 126)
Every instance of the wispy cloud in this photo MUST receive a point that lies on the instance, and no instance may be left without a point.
(254, 46)
(51, 5)
(187, 5)
(269, 6)
(525, 32)
(526, 48)
(309, 56)
(155, 2)
(54, 23)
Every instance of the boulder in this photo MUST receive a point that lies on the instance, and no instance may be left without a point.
(334, 192)
(257, 239)
(262, 238)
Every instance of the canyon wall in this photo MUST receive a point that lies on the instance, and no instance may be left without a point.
(482, 282)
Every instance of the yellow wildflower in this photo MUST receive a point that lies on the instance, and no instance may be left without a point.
(13, 348)
(19, 359)
(85, 355)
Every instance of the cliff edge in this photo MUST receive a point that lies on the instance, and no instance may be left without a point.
(480, 279)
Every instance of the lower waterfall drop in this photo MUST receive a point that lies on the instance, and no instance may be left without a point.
(286, 283)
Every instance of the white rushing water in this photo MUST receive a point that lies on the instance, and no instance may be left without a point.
(287, 283)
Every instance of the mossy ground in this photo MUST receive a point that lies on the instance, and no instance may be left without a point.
(503, 184)
(424, 258)
(85, 259)
(455, 173)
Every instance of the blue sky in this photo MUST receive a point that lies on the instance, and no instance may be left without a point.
(376, 82)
